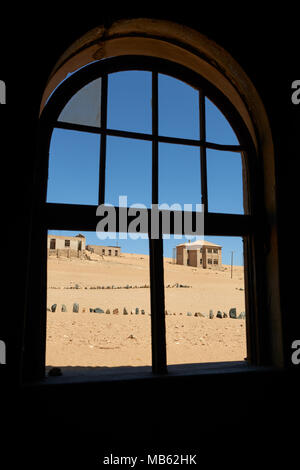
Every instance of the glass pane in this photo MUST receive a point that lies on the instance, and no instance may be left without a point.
(84, 107)
(179, 175)
(178, 105)
(98, 303)
(128, 171)
(218, 129)
(204, 300)
(73, 176)
(225, 182)
(129, 101)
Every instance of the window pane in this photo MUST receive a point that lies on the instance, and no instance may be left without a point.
(129, 101)
(73, 176)
(128, 171)
(200, 284)
(218, 129)
(225, 182)
(98, 303)
(84, 106)
(179, 175)
(178, 105)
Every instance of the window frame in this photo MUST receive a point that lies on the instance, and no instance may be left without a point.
(49, 216)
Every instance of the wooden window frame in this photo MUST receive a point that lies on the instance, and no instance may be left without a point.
(49, 216)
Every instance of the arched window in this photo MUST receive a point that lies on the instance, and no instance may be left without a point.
(85, 107)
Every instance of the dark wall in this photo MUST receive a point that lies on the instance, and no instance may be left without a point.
(266, 46)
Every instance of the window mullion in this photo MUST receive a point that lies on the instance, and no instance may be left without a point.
(103, 139)
(158, 329)
(204, 198)
(157, 298)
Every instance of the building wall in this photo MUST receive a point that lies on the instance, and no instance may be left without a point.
(74, 248)
(211, 257)
(199, 258)
(179, 254)
(192, 257)
(65, 253)
(104, 250)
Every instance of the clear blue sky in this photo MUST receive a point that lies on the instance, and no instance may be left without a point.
(74, 156)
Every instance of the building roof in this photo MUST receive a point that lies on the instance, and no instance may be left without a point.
(104, 246)
(199, 243)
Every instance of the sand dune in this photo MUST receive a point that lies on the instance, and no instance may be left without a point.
(100, 339)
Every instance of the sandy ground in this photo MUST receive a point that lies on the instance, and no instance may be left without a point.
(86, 339)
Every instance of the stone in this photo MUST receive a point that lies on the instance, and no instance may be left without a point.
(225, 315)
(137, 310)
(242, 316)
(189, 314)
(125, 311)
(76, 308)
(142, 312)
(55, 372)
(107, 311)
(232, 312)
(53, 307)
(115, 311)
(98, 310)
(91, 310)
(219, 314)
(211, 314)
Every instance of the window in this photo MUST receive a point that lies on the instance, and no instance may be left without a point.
(67, 243)
(146, 160)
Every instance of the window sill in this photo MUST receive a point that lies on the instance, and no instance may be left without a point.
(99, 375)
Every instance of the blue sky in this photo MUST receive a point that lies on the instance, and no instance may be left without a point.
(74, 156)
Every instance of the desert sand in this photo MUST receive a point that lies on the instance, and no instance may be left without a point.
(89, 339)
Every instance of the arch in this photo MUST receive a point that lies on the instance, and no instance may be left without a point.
(192, 50)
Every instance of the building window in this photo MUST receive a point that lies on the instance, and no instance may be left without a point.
(67, 243)
(215, 261)
(209, 261)
(110, 134)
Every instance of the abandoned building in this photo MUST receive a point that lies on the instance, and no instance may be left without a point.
(71, 247)
(199, 253)
(104, 250)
